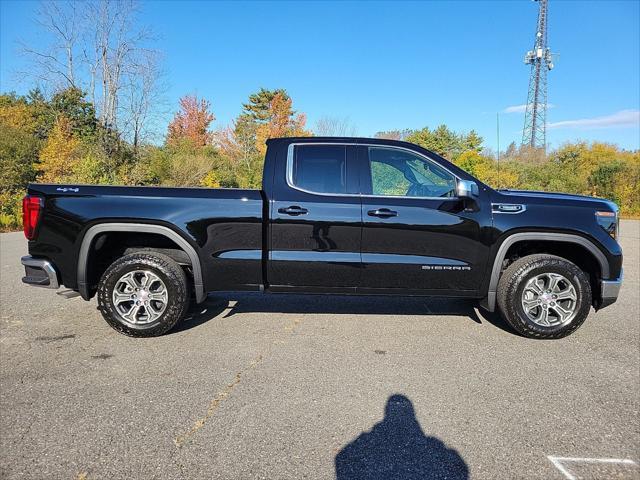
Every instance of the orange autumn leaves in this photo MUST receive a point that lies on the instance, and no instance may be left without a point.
(281, 123)
(192, 122)
(234, 155)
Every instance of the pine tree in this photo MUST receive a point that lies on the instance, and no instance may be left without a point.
(281, 122)
(259, 104)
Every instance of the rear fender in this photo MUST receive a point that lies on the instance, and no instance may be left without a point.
(92, 232)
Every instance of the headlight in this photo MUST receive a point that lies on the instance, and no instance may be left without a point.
(609, 221)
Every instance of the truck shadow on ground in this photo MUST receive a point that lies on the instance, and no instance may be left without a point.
(228, 305)
(397, 447)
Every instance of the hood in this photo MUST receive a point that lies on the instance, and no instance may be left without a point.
(557, 197)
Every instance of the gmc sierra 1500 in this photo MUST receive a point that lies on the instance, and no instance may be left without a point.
(334, 216)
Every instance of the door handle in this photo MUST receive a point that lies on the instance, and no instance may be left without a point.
(293, 210)
(382, 213)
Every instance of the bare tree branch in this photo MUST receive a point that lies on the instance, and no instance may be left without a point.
(335, 127)
(99, 47)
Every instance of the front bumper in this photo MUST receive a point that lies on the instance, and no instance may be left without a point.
(609, 291)
(39, 272)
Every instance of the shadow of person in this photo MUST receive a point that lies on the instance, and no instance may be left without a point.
(397, 448)
(321, 236)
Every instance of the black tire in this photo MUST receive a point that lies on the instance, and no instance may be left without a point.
(167, 270)
(514, 280)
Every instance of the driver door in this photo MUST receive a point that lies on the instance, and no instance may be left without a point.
(417, 235)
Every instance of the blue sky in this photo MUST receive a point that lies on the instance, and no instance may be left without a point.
(393, 65)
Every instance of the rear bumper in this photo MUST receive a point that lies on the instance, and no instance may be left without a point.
(39, 272)
(609, 291)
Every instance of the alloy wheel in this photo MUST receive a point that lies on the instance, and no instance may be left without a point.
(140, 297)
(549, 300)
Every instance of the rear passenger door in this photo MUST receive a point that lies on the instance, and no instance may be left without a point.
(316, 221)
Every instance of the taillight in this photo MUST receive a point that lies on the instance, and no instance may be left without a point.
(31, 209)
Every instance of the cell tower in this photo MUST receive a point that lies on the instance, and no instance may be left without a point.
(540, 58)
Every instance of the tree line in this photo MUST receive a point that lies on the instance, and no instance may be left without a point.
(93, 118)
(61, 139)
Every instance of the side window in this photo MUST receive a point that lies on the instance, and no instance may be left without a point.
(397, 172)
(320, 168)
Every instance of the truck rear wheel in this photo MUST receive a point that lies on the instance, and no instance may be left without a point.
(544, 296)
(143, 294)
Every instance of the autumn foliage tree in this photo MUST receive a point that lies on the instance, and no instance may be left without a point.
(191, 123)
(60, 153)
(281, 122)
(257, 108)
(267, 114)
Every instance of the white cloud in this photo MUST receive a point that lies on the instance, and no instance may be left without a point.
(516, 109)
(623, 118)
(521, 108)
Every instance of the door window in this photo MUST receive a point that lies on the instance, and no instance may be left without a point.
(320, 168)
(396, 172)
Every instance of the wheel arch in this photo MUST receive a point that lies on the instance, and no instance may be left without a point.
(549, 237)
(179, 240)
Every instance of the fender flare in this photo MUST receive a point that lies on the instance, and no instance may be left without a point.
(92, 232)
(542, 236)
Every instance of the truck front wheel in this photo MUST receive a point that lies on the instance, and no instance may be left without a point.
(544, 296)
(143, 294)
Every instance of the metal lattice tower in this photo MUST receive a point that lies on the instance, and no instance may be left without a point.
(540, 58)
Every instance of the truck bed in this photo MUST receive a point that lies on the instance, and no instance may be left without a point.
(226, 223)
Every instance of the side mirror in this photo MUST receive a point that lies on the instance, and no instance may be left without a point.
(467, 189)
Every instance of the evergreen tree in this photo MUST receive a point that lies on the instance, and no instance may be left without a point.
(258, 106)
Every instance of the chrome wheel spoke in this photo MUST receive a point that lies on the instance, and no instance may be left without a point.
(132, 315)
(158, 296)
(543, 318)
(554, 280)
(568, 294)
(535, 287)
(563, 313)
(152, 311)
(120, 297)
(530, 304)
(147, 279)
(129, 281)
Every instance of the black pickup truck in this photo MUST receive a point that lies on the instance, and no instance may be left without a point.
(334, 216)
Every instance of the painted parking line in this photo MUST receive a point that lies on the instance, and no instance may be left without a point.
(560, 463)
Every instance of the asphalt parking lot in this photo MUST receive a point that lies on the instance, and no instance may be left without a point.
(289, 387)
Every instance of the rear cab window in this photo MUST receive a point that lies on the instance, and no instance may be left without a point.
(322, 169)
